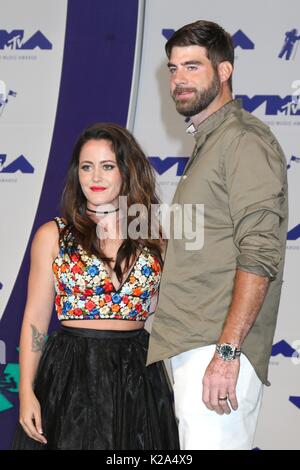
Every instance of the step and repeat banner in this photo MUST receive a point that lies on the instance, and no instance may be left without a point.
(67, 64)
(267, 79)
(64, 65)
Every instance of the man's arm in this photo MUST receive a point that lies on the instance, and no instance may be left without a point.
(255, 175)
(221, 376)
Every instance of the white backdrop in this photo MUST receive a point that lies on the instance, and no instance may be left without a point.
(161, 131)
(31, 71)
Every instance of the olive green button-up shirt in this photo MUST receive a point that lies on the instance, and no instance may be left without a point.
(238, 173)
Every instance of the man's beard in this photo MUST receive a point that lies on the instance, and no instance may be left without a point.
(201, 100)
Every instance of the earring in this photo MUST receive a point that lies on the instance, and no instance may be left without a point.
(81, 210)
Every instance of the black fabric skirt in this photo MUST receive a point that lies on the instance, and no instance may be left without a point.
(96, 393)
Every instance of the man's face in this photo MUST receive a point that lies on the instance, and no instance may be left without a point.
(194, 82)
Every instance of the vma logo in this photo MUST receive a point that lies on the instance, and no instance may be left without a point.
(240, 39)
(19, 164)
(4, 96)
(274, 104)
(295, 400)
(294, 233)
(15, 40)
(161, 165)
(282, 347)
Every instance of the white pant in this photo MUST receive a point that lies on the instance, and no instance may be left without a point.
(201, 428)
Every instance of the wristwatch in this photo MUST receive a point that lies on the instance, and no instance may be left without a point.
(227, 351)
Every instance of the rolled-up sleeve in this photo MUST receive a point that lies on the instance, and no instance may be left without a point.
(256, 185)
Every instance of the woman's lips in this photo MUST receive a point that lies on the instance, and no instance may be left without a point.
(98, 188)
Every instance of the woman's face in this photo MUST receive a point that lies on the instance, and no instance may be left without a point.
(99, 175)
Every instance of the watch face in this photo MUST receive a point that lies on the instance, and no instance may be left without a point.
(227, 351)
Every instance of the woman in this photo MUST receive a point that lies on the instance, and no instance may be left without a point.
(87, 386)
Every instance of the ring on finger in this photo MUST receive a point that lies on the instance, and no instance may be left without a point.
(223, 398)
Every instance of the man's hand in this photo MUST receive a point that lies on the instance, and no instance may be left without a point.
(221, 376)
(220, 380)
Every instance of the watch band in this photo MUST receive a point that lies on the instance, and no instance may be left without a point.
(227, 351)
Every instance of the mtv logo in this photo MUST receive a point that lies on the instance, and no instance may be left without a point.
(274, 104)
(14, 40)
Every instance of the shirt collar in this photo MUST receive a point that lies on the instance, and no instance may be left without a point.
(214, 120)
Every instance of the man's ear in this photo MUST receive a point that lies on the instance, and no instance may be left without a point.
(225, 71)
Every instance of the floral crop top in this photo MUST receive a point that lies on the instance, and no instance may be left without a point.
(84, 290)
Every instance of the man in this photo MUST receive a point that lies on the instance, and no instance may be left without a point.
(218, 305)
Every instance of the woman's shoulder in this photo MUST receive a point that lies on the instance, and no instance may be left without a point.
(47, 232)
(45, 241)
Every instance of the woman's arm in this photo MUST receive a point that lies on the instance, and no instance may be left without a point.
(36, 320)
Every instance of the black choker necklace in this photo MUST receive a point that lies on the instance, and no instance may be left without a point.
(102, 212)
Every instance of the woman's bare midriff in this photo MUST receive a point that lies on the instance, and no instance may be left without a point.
(105, 324)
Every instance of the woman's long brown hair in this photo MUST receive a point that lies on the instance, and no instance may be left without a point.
(138, 185)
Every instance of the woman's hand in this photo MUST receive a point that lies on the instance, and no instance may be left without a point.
(30, 417)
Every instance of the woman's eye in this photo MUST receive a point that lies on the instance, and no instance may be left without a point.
(86, 167)
(108, 167)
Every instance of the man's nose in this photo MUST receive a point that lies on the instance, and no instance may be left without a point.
(179, 77)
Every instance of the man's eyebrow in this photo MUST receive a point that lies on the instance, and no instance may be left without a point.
(192, 62)
(188, 62)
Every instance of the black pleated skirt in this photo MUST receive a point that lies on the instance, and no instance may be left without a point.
(96, 393)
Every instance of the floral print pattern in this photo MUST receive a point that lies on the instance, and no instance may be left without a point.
(84, 289)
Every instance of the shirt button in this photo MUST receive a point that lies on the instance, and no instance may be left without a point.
(184, 177)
